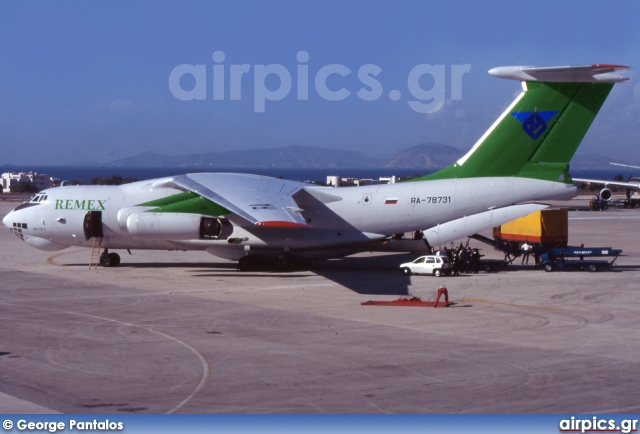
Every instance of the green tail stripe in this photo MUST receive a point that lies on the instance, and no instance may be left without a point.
(522, 144)
(187, 202)
(571, 125)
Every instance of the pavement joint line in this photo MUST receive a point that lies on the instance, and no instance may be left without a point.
(51, 259)
(524, 306)
(203, 361)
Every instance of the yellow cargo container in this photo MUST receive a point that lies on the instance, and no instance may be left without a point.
(548, 226)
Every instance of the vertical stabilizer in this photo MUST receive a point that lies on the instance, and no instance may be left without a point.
(540, 131)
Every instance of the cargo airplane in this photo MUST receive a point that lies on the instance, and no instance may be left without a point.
(633, 184)
(520, 160)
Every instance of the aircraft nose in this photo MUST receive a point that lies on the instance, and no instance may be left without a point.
(7, 220)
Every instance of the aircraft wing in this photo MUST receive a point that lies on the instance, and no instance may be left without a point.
(625, 165)
(632, 185)
(261, 200)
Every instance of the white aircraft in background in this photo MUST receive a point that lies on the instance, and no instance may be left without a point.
(522, 157)
(632, 185)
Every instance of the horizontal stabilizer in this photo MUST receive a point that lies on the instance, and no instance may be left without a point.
(596, 73)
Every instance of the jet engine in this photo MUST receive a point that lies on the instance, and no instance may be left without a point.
(177, 226)
(606, 194)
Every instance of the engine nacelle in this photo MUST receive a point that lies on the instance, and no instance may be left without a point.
(177, 226)
(606, 194)
(215, 228)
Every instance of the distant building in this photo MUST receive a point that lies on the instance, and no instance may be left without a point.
(389, 179)
(336, 181)
(11, 180)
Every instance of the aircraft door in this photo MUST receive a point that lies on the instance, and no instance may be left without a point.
(92, 225)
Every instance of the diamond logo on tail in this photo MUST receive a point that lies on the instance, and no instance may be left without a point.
(534, 123)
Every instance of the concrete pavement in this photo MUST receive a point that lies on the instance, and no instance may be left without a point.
(185, 332)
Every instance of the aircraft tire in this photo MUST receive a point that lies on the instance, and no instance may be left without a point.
(283, 264)
(115, 259)
(247, 263)
(106, 260)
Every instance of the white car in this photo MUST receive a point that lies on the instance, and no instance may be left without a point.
(436, 265)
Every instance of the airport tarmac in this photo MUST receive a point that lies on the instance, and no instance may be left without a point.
(184, 332)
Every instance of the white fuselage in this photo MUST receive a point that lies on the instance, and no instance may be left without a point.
(352, 221)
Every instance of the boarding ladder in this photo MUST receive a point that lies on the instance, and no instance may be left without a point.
(95, 252)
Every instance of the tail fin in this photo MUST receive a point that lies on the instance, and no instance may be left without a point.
(540, 131)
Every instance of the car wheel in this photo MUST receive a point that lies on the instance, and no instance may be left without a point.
(437, 273)
(406, 271)
(548, 267)
(593, 267)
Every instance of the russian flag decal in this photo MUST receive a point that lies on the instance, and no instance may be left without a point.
(391, 201)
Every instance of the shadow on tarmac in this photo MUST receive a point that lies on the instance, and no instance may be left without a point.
(374, 275)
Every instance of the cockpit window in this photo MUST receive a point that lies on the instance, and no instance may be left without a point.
(38, 198)
(26, 205)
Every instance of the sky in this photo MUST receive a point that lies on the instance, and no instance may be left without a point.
(95, 81)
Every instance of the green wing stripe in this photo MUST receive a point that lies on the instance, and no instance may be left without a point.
(187, 202)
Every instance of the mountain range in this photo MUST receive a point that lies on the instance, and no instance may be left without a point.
(426, 155)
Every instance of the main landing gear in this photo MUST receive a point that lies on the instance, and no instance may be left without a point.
(248, 263)
(109, 259)
(268, 263)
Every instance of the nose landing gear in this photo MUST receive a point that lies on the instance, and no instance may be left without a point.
(109, 259)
